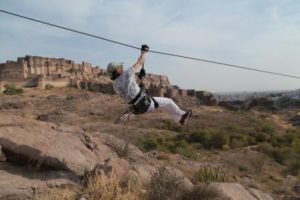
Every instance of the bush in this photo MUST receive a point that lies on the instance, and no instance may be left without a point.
(210, 174)
(148, 144)
(98, 187)
(294, 167)
(265, 127)
(165, 186)
(183, 148)
(266, 148)
(48, 86)
(12, 90)
(220, 139)
(236, 143)
(238, 140)
(172, 126)
(296, 145)
(281, 155)
(243, 168)
(260, 137)
(203, 192)
(283, 140)
(203, 137)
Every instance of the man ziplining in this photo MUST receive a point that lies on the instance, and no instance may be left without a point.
(126, 86)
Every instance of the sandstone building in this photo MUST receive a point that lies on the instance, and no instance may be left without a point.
(36, 66)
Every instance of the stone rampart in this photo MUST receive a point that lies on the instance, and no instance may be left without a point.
(22, 82)
(55, 82)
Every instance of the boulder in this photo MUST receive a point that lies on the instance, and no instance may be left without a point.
(176, 173)
(235, 191)
(41, 154)
(260, 195)
(18, 184)
(41, 144)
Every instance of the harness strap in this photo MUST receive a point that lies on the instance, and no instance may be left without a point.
(136, 97)
(140, 95)
(156, 105)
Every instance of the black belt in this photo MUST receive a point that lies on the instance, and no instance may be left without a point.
(143, 92)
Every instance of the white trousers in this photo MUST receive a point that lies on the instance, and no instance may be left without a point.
(168, 106)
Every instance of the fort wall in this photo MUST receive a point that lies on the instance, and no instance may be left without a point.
(21, 82)
(55, 82)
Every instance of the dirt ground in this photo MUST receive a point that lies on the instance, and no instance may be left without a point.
(95, 112)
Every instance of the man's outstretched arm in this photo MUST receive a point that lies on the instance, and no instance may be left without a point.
(140, 61)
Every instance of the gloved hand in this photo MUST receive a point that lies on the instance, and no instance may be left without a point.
(142, 73)
(145, 48)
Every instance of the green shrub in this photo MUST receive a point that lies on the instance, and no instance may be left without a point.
(266, 148)
(283, 140)
(294, 167)
(264, 127)
(257, 162)
(235, 143)
(268, 128)
(238, 140)
(209, 175)
(12, 89)
(251, 140)
(220, 139)
(148, 144)
(225, 147)
(172, 126)
(182, 147)
(203, 137)
(296, 146)
(48, 86)
(233, 127)
(182, 136)
(281, 155)
(237, 136)
(243, 168)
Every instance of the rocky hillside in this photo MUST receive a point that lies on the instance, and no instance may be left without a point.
(55, 142)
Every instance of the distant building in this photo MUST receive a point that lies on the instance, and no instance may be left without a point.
(36, 66)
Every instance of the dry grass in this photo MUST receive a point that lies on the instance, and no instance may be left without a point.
(210, 174)
(107, 187)
(100, 187)
(65, 193)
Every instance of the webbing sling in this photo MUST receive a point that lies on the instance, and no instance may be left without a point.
(142, 101)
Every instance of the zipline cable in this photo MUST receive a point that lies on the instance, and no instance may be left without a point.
(157, 52)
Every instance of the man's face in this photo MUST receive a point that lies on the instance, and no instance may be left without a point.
(120, 69)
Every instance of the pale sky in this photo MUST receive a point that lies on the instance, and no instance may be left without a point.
(263, 34)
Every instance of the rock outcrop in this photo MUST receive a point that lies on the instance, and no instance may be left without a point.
(235, 191)
(37, 155)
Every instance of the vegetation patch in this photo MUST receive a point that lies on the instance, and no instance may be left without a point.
(11, 89)
(209, 175)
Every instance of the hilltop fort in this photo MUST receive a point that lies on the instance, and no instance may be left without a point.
(37, 71)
